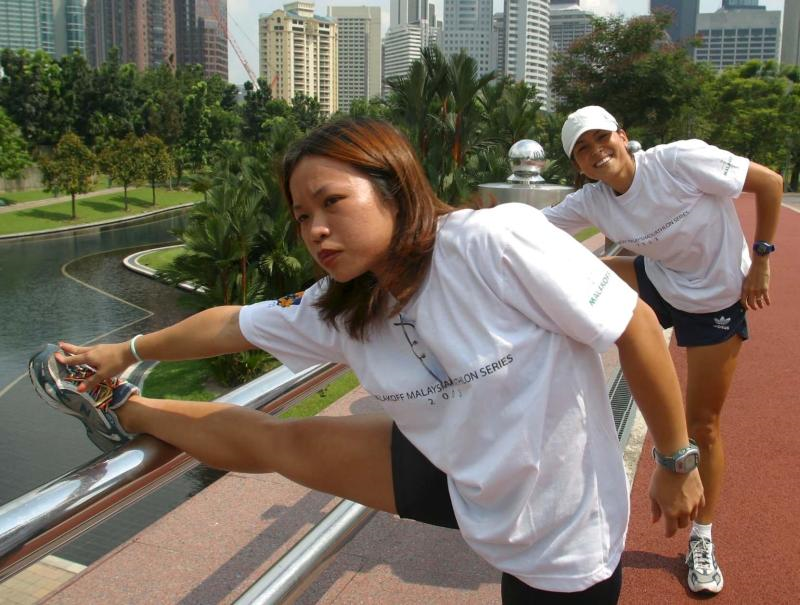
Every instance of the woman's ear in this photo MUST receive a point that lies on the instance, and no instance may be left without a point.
(623, 135)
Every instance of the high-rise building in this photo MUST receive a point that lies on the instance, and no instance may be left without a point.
(69, 29)
(27, 24)
(359, 52)
(790, 44)
(497, 50)
(733, 36)
(684, 17)
(200, 37)
(528, 43)
(567, 24)
(468, 27)
(143, 30)
(408, 11)
(730, 4)
(299, 53)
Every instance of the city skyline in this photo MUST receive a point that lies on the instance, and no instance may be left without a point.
(243, 20)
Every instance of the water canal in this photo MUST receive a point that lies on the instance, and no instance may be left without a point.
(74, 287)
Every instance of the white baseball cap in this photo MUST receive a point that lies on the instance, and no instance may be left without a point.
(591, 117)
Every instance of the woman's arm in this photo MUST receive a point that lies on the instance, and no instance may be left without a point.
(651, 376)
(768, 189)
(211, 332)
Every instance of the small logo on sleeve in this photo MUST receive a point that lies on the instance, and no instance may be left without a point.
(601, 286)
(722, 322)
(290, 299)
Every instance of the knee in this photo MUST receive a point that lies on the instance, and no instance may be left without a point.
(705, 431)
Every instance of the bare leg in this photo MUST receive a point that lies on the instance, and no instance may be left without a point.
(345, 456)
(623, 266)
(710, 371)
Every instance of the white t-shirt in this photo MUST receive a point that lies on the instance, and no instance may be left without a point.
(679, 214)
(492, 371)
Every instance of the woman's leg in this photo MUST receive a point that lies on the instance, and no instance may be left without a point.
(346, 456)
(623, 266)
(710, 371)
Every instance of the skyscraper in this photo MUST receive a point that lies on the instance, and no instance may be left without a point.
(468, 26)
(790, 45)
(684, 20)
(200, 37)
(733, 36)
(27, 24)
(143, 30)
(408, 11)
(299, 53)
(359, 52)
(69, 27)
(497, 50)
(528, 43)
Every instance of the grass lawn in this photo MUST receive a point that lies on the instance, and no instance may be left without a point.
(324, 397)
(93, 209)
(586, 233)
(33, 195)
(186, 380)
(160, 259)
(179, 380)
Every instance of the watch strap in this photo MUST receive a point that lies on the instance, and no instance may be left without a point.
(674, 462)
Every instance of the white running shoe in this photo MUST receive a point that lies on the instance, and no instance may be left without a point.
(704, 573)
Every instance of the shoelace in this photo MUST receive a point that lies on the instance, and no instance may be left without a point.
(100, 394)
(701, 554)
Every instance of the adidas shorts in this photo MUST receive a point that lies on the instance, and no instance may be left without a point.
(692, 329)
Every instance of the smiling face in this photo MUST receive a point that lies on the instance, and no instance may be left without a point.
(345, 224)
(601, 155)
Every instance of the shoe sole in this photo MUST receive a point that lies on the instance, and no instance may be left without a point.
(43, 370)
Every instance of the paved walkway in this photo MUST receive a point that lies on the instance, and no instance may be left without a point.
(56, 200)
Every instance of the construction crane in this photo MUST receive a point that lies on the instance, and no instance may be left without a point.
(223, 24)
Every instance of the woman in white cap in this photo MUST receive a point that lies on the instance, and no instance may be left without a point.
(672, 206)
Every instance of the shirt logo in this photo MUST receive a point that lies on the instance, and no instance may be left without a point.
(722, 322)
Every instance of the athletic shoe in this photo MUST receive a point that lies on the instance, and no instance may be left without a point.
(58, 384)
(704, 573)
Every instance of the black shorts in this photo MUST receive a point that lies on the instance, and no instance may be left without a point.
(421, 493)
(692, 329)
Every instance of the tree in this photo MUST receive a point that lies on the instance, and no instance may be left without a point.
(760, 103)
(306, 111)
(13, 152)
(123, 161)
(70, 168)
(629, 68)
(156, 162)
(30, 92)
(195, 139)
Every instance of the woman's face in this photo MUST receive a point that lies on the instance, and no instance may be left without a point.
(346, 226)
(601, 155)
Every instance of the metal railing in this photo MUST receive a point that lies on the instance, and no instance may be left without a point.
(48, 517)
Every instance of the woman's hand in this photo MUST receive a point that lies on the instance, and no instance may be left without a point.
(755, 289)
(107, 359)
(675, 496)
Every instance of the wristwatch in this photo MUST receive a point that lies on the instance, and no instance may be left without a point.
(683, 461)
(762, 248)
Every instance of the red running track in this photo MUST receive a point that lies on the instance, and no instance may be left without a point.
(757, 528)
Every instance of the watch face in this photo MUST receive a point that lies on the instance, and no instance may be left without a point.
(687, 462)
(762, 248)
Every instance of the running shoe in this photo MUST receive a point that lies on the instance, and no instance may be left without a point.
(58, 384)
(704, 573)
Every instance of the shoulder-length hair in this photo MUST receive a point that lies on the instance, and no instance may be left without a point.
(382, 154)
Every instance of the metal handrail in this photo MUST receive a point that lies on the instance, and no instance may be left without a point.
(48, 517)
(296, 570)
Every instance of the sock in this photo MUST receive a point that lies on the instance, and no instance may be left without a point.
(703, 531)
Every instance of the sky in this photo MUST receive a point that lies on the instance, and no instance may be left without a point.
(243, 20)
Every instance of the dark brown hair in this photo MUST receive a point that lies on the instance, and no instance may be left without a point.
(380, 152)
